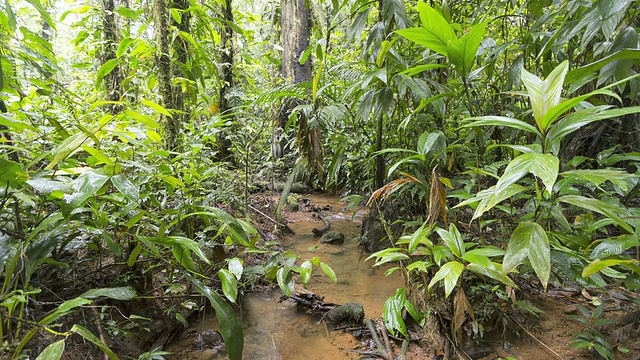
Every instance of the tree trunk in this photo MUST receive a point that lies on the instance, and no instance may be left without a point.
(226, 73)
(296, 29)
(113, 81)
(172, 137)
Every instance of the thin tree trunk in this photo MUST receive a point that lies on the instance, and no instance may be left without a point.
(113, 81)
(226, 67)
(172, 137)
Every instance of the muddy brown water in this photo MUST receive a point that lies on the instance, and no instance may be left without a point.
(279, 330)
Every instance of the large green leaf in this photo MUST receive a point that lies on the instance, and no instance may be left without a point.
(329, 271)
(575, 121)
(502, 121)
(126, 187)
(53, 351)
(230, 327)
(117, 293)
(105, 70)
(544, 166)
(462, 52)
(85, 186)
(579, 73)
(544, 94)
(449, 273)
(614, 246)
(182, 248)
(452, 239)
(599, 265)
(435, 32)
(229, 284)
(88, 335)
(489, 198)
(529, 240)
(619, 178)
(600, 207)
(392, 313)
(11, 173)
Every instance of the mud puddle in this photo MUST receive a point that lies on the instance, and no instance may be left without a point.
(279, 330)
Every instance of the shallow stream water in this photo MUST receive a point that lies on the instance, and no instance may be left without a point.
(278, 330)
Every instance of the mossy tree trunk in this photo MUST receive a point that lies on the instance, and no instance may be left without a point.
(226, 75)
(171, 127)
(113, 81)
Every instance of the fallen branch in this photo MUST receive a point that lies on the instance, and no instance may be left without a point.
(327, 225)
(376, 339)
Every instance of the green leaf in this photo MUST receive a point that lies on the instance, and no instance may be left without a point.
(305, 274)
(544, 94)
(614, 246)
(229, 284)
(105, 70)
(477, 259)
(599, 265)
(142, 119)
(489, 198)
(11, 21)
(117, 293)
(53, 351)
(156, 107)
(431, 142)
(502, 121)
(598, 206)
(619, 178)
(552, 114)
(125, 187)
(388, 255)
(589, 69)
(420, 236)
(43, 12)
(529, 240)
(285, 281)
(183, 243)
(392, 315)
(12, 173)
(462, 51)
(494, 273)
(450, 273)
(437, 26)
(452, 239)
(236, 268)
(575, 121)
(134, 255)
(543, 166)
(87, 335)
(421, 68)
(68, 146)
(230, 327)
(85, 186)
(329, 271)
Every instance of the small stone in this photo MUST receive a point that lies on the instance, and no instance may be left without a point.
(332, 237)
(570, 309)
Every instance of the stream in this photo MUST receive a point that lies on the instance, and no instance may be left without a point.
(274, 330)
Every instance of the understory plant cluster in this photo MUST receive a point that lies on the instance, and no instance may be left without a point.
(509, 129)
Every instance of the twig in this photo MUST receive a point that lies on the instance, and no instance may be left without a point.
(386, 341)
(376, 339)
(268, 217)
(404, 349)
(536, 339)
(100, 330)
